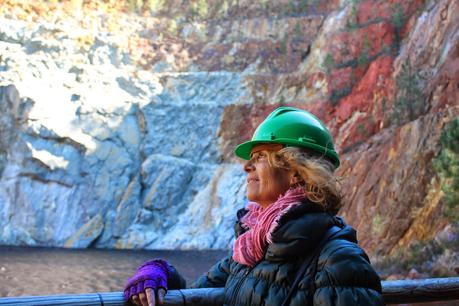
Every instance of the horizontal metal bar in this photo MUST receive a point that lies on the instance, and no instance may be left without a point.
(394, 292)
(191, 297)
(421, 290)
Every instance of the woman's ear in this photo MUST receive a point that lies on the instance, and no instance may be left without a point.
(295, 179)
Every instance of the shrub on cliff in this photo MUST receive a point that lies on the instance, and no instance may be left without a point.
(436, 257)
(409, 103)
(447, 166)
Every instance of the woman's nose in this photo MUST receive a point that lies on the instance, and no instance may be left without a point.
(248, 166)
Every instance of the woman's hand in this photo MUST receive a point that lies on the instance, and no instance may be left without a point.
(148, 286)
(150, 297)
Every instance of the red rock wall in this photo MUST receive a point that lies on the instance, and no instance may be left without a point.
(387, 134)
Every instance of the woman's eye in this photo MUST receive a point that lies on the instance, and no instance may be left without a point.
(260, 156)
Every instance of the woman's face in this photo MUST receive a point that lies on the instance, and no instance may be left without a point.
(265, 183)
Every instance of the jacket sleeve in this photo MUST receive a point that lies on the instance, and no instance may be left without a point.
(175, 280)
(345, 277)
(216, 276)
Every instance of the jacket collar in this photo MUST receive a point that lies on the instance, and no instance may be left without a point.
(302, 229)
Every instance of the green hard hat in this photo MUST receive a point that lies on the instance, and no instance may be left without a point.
(292, 127)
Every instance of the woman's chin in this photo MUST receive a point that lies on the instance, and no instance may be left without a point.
(251, 197)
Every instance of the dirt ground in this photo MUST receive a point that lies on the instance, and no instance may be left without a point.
(44, 271)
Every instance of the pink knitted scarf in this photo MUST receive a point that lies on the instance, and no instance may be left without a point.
(250, 247)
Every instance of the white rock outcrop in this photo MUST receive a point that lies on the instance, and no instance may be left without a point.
(95, 152)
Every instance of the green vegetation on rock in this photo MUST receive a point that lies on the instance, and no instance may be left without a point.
(447, 166)
(155, 5)
(199, 8)
(352, 22)
(329, 63)
(398, 20)
(377, 225)
(398, 17)
(438, 257)
(283, 45)
(135, 5)
(301, 7)
(409, 103)
(364, 56)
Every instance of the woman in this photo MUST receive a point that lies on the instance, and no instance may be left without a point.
(290, 247)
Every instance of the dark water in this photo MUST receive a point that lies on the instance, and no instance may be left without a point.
(45, 271)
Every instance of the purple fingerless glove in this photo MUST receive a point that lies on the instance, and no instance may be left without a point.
(152, 274)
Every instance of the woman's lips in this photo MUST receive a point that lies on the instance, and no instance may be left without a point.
(250, 180)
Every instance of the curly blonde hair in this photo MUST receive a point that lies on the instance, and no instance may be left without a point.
(315, 174)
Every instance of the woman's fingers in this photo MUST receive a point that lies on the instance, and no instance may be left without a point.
(161, 294)
(143, 299)
(135, 299)
(150, 297)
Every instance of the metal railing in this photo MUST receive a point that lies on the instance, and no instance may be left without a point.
(394, 292)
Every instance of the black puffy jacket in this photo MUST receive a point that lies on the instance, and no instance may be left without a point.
(344, 274)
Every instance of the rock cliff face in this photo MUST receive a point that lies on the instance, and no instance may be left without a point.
(118, 129)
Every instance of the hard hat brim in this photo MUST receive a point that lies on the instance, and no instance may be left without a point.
(244, 149)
